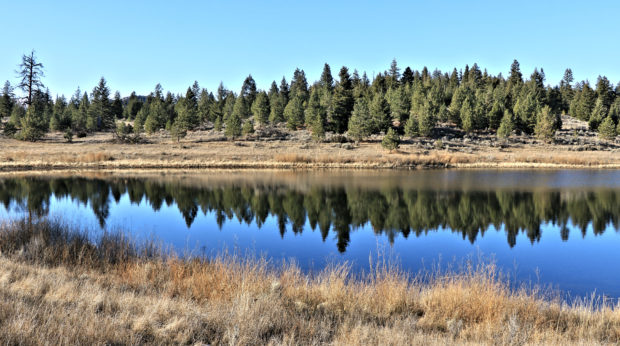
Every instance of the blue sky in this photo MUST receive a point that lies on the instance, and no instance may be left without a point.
(136, 44)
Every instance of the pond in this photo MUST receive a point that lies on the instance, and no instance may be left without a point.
(555, 228)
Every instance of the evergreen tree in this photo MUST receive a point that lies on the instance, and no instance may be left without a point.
(412, 127)
(7, 100)
(30, 71)
(315, 113)
(566, 89)
(407, 78)
(391, 140)
(261, 108)
(294, 113)
(342, 102)
(248, 127)
(583, 103)
(545, 124)
(393, 75)
(100, 115)
(360, 125)
(607, 129)
(248, 93)
(33, 124)
(506, 125)
(426, 120)
(299, 86)
(380, 113)
(157, 117)
(80, 117)
(117, 106)
(133, 106)
(327, 81)
(233, 123)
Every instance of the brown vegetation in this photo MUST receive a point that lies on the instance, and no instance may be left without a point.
(574, 147)
(56, 286)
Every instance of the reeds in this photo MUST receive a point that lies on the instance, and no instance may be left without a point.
(60, 285)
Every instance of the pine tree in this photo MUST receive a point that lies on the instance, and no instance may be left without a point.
(233, 123)
(117, 106)
(30, 71)
(426, 120)
(360, 124)
(79, 120)
(598, 114)
(248, 93)
(607, 129)
(380, 113)
(391, 140)
(261, 108)
(248, 127)
(327, 81)
(6, 101)
(506, 125)
(412, 127)
(315, 113)
(294, 113)
(33, 124)
(342, 102)
(100, 115)
(157, 117)
(545, 129)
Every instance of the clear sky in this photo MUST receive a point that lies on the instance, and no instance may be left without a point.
(136, 44)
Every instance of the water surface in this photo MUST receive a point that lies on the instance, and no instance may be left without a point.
(557, 228)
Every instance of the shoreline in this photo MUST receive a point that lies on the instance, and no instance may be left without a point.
(56, 285)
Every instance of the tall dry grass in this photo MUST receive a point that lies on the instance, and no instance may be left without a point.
(59, 286)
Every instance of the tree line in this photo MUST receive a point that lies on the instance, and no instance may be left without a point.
(333, 210)
(411, 103)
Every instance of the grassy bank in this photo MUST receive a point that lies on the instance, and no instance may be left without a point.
(56, 286)
(574, 147)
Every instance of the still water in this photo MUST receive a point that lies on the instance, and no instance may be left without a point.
(553, 228)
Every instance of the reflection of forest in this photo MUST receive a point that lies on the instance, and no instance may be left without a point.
(390, 211)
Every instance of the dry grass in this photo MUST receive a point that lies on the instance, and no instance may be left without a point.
(207, 149)
(58, 287)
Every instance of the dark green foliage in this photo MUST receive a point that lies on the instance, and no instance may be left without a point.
(413, 103)
(100, 116)
(391, 140)
(607, 129)
(360, 125)
(33, 124)
(294, 113)
(261, 109)
(7, 100)
(68, 135)
(545, 124)
(342, 102)
(248, 127)
(380, 112)
(233, 123)
(316, 115)
(117, 106)
(412, 127)
(133, 107)
(506, 125)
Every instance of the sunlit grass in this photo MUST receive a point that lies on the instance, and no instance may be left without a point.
(58, 285)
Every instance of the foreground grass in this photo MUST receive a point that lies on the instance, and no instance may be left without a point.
(56, 286)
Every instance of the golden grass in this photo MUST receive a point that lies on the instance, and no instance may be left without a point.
(58, 287)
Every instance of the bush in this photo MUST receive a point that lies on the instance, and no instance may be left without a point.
(69, 136)
(391, 140)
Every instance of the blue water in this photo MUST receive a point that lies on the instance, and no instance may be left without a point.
(552, 228)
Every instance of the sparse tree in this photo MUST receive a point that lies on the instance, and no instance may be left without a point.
(30, 72)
